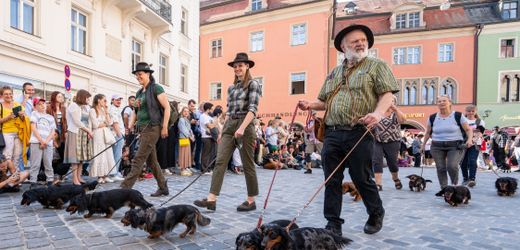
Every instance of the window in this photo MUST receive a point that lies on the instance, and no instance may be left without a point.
(78, 31)
(400, 21)
(509, 10)
(408, 20)
(184, 22)
(428, 92)
(256, 5)
(410, 93)
(448, 88)
(216, 91)
(260, 81)
(136, 53)
(409, 55)
(22, 15)
(299, 34)
(509, 89)
(257, 41)
(413, 20)
(446, 52)
(297, 83)
(216, 48)
(184, 80)
(507, 48)
(163, 70)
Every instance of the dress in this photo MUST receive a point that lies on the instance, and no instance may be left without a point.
(101, 165)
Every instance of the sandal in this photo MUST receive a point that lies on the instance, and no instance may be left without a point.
(398, 184)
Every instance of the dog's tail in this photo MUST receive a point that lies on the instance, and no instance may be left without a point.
(428, 181)
(201, 219)
(341, 241)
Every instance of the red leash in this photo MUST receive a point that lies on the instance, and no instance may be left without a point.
(260, 218)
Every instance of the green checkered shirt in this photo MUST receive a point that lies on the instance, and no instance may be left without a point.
(371, 78)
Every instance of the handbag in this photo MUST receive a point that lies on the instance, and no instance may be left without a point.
(2, 141)
(319, 123)
(109, 136)
(183, 142)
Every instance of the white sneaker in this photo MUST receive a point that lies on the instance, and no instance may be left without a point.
(167, 172)
(108, 180)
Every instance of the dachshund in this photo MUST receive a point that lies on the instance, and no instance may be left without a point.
(455, 195)
(55, 196)
(417, 182)
(349, 187)
(506, 186)
(276, 237)
(253, 240)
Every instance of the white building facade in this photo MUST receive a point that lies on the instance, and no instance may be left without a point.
(100, 40)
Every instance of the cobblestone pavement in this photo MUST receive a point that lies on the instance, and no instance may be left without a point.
(413, 220)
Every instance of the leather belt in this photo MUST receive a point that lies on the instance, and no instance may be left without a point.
(344, 127)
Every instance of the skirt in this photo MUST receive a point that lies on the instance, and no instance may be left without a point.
(70, 155)
(184, 156)
(84, 149)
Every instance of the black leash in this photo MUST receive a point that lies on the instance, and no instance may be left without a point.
(189, 184)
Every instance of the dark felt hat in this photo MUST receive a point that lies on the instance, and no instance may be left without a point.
(242, 57)
(348, 29)
(142, 66)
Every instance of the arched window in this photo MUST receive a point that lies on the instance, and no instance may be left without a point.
(431, 94)
(413, 95)
(449, 88)
(424, 96)
(516, 89)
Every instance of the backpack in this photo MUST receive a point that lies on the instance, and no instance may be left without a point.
(458, 116)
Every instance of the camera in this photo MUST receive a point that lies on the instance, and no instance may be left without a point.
(16, 110)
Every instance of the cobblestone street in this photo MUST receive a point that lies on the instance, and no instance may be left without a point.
(413, 220)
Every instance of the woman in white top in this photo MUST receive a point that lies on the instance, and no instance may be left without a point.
(77, 148)
(448, 143)
(100, 123)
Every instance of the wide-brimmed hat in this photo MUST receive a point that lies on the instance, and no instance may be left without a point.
(242, 57)
(348, 29)
(142, 66)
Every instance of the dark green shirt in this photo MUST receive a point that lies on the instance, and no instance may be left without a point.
(370, 79)
(142, 110)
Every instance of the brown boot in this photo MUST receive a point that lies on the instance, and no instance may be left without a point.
(162, 191)
(210, 205)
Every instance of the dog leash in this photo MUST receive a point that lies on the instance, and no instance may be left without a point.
(189, 184)
(261, 217)
(327, 180)
(98, 154)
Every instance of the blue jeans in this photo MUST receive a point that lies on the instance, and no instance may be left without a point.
(117, 149)
(469, 164)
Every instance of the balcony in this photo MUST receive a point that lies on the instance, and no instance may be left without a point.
(160, 7)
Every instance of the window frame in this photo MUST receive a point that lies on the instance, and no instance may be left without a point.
(20, 15)
(405, 58)
(133, 62)
(403, 20)
(509, 10)
(515, 47)
(78, 27)
(291, 82)
(256, 3)
(218, 49)
(444, 53)
(299, 34)
(184, 22)
(251, 34)
(219, 86)
(183, 74)
(163, 69)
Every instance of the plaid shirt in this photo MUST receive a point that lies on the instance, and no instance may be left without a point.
(371, 78)
(240, 101)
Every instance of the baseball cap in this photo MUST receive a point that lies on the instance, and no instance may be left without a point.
(116, 96)
(36, 100)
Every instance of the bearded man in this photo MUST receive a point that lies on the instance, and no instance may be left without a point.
(356, 95)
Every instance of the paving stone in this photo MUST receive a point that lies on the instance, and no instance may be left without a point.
(13, 242)
(190, 246)
(430, 239)
(95, 241)
(135, 247)
(35, 234)
(34, 243)
(162, 246)
(124, 240)
(66, 243)
(485, 246)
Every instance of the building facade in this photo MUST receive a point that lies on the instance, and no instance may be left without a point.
(288, 41)
(100, 40)
(498, 88)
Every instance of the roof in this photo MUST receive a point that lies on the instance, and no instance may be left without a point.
(376, 14)
(219, 10)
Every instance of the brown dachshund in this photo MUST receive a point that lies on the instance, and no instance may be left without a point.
(349, 187)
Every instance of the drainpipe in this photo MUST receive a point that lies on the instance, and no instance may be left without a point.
(478, 30)
(330, 32)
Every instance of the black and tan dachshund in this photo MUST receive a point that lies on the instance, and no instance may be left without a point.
(55, 196)
(159, 221)
(253, 240)
(106, 202)
(417, 183)
(277, 238)
(455, 195)
(506, 186)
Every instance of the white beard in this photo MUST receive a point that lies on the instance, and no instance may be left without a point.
(354, 57)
